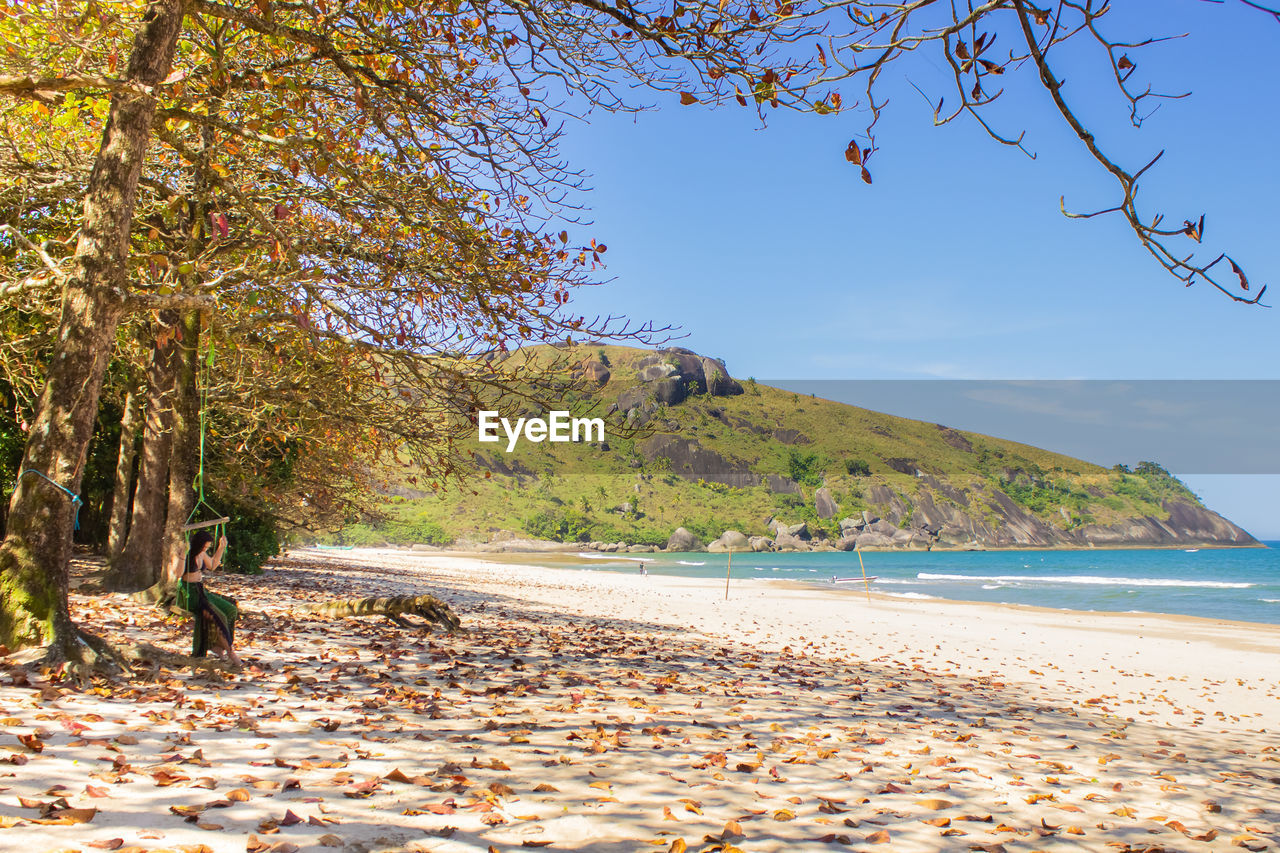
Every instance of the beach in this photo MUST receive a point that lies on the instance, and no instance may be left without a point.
(608, 711)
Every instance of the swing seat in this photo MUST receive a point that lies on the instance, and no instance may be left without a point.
(213, 522)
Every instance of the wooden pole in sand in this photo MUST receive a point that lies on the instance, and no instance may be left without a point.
(727, 572)
(865, 583)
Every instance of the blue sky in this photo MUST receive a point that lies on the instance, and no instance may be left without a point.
(768, 251)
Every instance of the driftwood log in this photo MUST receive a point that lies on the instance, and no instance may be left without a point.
(426, 606)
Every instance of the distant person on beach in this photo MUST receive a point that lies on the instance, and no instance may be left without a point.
(643, 570)
(215, 616)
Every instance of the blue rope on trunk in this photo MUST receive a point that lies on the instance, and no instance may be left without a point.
(75, 499)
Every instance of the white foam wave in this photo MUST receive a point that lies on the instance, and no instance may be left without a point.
(690, 563)
(1270, 600)
(592, 555)
(1091, 580)
(914, 595)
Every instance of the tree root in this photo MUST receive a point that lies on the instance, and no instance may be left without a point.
(86, 656)
(426, 606)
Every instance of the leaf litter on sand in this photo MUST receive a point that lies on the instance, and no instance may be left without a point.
(535, 714)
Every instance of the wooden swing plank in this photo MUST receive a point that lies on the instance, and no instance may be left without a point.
(187, 528)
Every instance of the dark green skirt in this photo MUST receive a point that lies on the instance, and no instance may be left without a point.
(211, 612)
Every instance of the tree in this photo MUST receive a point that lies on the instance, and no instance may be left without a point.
(36, 548)
(865, 40)
(376, 174)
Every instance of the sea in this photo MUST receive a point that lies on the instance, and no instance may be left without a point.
(1239, 584)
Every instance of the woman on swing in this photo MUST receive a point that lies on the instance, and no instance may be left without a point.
(215, 616)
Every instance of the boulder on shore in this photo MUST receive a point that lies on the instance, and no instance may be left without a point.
(761, 543)
(730, 540)
(823, 504)
(850, 523)
(800, 531)
(683, 540)
(790, 542)
(874, 540)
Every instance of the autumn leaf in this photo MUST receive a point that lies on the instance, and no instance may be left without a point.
(935, 804)
(1244, 280)
(686, 98)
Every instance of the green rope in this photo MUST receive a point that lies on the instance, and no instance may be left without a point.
(204, 375)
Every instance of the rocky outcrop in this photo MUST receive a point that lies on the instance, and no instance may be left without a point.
(762, 543)
(789, 542)
(669, 376)
(683, 540)
(780, 528)
(730, 540)
(691, 460)
(1187, 524)
(790, 436)
(595, 372)
(699, 374)
(823, 504)
(782, 485)
(955, 439)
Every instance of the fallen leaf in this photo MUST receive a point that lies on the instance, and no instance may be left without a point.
(934, 804)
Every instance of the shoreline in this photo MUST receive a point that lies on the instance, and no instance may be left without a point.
(569, 548)
(602, 562)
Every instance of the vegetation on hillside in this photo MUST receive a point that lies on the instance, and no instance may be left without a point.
(615, 492)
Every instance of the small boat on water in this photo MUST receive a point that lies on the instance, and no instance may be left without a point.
(1191, 550)
(851, 580)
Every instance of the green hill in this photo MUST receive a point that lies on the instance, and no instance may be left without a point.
(689, 447)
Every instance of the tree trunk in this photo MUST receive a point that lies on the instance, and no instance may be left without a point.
(138, 565)
(427, 606)
(119, 523)
(185, 460)
(37, 547)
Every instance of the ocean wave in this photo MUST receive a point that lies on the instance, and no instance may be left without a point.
(1091, 580)
(690, 563)
(1270, 600)
(912, 595)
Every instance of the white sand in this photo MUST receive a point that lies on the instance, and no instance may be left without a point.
(650, 709)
